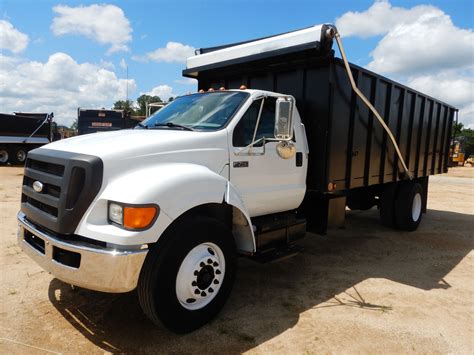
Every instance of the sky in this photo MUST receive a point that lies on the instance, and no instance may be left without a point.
(56, 56)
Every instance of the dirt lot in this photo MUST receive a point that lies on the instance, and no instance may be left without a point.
(363, 289)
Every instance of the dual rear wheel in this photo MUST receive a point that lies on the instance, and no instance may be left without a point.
(15, 155)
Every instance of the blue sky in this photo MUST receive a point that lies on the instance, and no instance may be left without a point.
(152, 25)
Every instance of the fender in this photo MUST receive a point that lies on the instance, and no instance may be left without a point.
(241, 223)
(175, 188)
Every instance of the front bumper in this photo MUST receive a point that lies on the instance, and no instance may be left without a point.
(80, 263)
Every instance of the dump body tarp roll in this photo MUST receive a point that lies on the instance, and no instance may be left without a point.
(348, 146)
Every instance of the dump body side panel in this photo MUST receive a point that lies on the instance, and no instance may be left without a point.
(348, 146)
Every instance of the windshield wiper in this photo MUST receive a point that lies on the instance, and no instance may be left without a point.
(142, 125)
(173, 125)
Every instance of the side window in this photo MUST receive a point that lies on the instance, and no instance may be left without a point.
(243, 132)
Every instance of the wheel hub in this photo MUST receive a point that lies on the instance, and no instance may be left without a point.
(200, 276)
(205, 277)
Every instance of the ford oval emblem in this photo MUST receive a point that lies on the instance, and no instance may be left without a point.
(38, 186)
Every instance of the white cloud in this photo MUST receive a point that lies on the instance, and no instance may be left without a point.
(452, 88)
(186, 81)
(173, 52)
(106, 24)
(379, 19)
(164, 92)
(123, 64)
(60, 85)
(12, 39)
(430, 43)
(420, 46)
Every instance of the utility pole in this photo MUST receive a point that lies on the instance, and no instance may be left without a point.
(127, 83)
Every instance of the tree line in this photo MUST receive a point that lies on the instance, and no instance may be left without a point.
(140, 108)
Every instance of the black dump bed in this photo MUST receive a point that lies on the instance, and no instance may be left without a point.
(25, 124)
(348, 146)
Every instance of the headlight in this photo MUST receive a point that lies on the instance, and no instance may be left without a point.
(133, 217)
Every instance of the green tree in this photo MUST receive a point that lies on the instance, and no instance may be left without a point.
(126, 105)
(143, 100)
(74, 125)
(457, 128)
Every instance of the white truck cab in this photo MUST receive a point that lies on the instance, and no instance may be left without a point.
(231, 155)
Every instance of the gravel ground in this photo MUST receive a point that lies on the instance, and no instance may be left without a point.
(362, 289)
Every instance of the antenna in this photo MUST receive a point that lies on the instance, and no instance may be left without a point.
(127, 84)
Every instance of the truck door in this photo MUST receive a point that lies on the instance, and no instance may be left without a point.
(266, 182)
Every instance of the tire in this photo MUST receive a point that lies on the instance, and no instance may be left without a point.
(409, 206)
(387, 205)
(4, 156)
(175, 271)
(19, 156)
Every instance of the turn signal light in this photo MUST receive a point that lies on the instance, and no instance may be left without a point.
(133, 217)
(138, 217)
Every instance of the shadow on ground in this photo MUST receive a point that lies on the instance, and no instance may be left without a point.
(268, 299)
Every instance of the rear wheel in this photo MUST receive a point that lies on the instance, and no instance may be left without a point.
(187, 278)
(409, 206)
(20, 155)
(4, 155)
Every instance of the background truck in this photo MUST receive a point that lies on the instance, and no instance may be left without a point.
(21, 132)
(93, 120)
(278, 141)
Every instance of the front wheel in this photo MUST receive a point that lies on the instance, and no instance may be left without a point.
(187, 277)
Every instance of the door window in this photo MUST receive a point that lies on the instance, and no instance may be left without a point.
(243, 132)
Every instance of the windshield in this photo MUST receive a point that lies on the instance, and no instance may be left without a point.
(200, 112)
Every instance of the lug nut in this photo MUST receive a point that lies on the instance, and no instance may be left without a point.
(196, 272)
(216, 282)
(196, 292)
(210, 290)
(202, 264)
(218, 272)
(203, 294)
(194, 283)
(209, 261)
(215, 263)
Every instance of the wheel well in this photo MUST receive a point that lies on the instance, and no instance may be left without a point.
(232, 217)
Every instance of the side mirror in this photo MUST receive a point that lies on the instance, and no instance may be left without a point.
(284, 119)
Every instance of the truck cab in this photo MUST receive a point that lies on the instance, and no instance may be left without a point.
(97, 209)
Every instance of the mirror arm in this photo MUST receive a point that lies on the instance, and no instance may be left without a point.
(256, 125)
(249, 147)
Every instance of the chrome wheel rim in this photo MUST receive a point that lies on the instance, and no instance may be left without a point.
(200, 276)
(3, 156)
(21, 156)
(416, 207)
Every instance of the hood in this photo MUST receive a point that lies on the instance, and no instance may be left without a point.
(138, 147)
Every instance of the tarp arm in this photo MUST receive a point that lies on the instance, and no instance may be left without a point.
(332, 32)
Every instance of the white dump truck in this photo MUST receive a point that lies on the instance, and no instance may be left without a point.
(280, 138)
